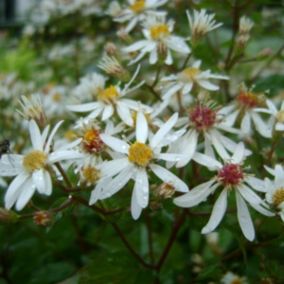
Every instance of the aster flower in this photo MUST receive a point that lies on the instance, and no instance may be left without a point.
(230, 176)
(246, 107)
(185, 80)
(201, 23)
(109, 100)
(159, 41)
(206, 122)
(135, 12)
(32, 169)
(231, 278)
(277, 116)
(135, 162)
(275, 190)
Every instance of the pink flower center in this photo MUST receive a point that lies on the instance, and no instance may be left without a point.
(231, 174)
(202, 117)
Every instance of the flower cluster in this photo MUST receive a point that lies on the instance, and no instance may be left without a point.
(168, 130)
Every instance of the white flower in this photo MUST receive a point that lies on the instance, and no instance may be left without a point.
(159, 41)
(135, 162)
(201, 23)
(185, 80)
(135, 12)
(31, 170)
(275, 190)
(231, 278)
(230, 176)
(246, 25)
(109, 100)
(277, 116)
(205, 122)
(246, 107)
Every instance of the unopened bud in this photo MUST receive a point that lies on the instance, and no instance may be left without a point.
(8, 216)
(165, 190)
(110, 48)
(42, 218)
(265, 52)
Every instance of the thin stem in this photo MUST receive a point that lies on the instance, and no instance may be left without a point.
(150, 238)
(171, 240)
(64, 175)
(157, 77)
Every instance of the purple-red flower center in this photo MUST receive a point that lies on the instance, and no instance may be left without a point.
(202, 117)
(231, 174)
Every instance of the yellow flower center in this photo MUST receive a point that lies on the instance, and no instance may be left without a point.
(90, 174)
(57, 97)
(108, 95)
(34, 160)
(159, 31)
(189, 74)
(92, 142)
(140, 154)
(138, 6)
(280, 116)
(278, 197)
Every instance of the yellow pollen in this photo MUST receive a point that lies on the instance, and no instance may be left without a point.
(91, 135)
(91, 174)
(138, 6)
(34, 160)
(278, 197)
(190, 73)
(109, 94)
(159, 31)
(57, 97)
(140, 154)
(280, 116)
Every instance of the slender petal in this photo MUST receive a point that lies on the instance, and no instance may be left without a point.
(115, 143)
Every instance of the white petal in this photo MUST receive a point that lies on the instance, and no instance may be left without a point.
(51, 135)
(255, 183)
(38, 180)
(246, 124)
(112, 168)
(117, 183)
(141, 188)
(190, 148)
(165, 129)
(262, 210)
(244, 218)
(83, 107)
(170, 157)
(207, 85)
(153, 56)
(124, 113)
(48, 183)
(239, 154)
(168, 177)
(14, 190)
(136, 46)
(35, 135)
(197, 195)
(107, 112)
(177, 44)
(58, 156)
(206, 161)
(217, 214)
(136, 209)
(261, 127)
(27, 192)
(115, 143)
(141, 127)
(249, 195)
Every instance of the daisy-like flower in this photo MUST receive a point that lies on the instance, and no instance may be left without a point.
(204, 121)
(277, 116)
(135, 162)
(109, 100)
(159, 41)
(246, 107)
(230, 176)
(231, 278)
(275, 190)
(135, 12)
(32, 170)
(185, 80)
(201, 23)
